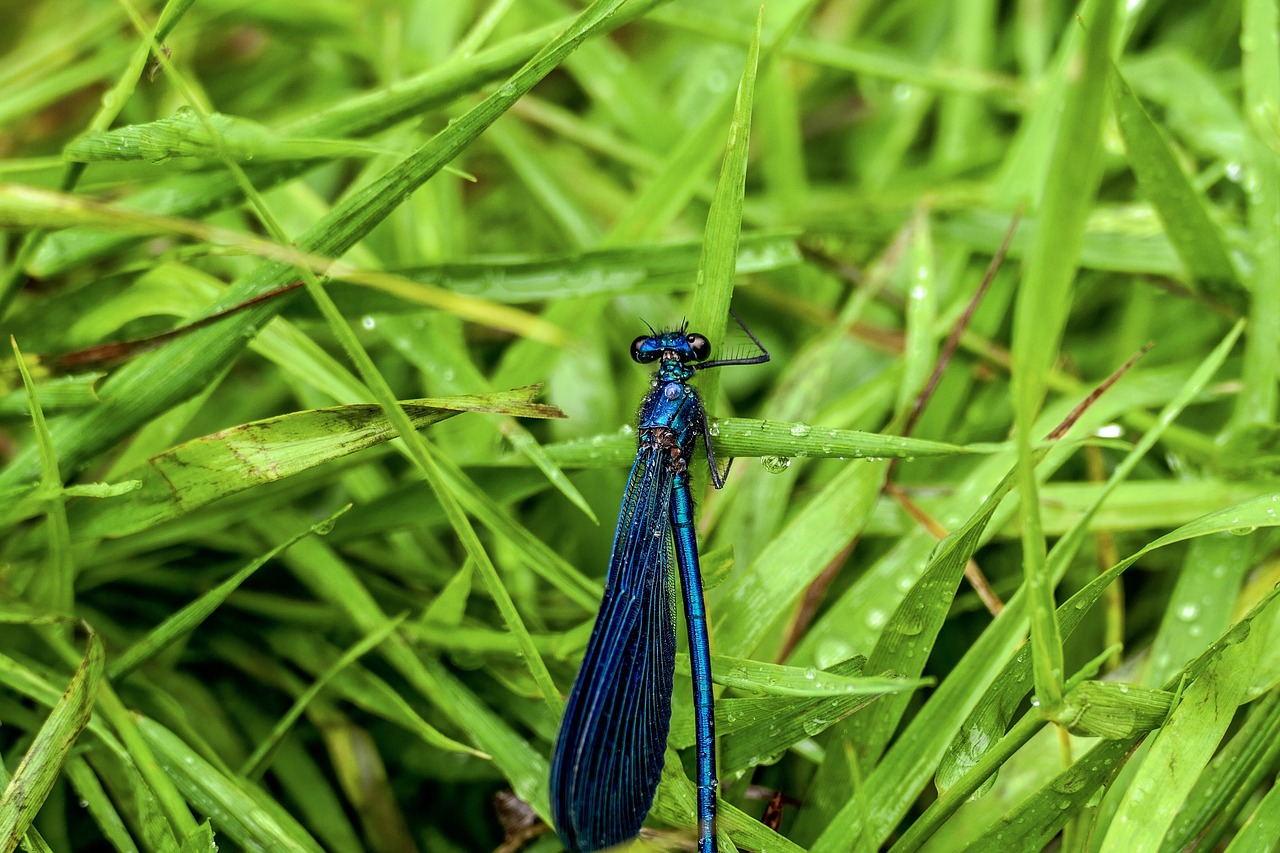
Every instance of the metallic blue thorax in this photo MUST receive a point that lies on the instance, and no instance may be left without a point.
(671, 414)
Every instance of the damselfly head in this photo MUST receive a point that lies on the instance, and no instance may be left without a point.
(670, 346)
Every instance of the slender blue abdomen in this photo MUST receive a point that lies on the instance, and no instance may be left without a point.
(609, 753)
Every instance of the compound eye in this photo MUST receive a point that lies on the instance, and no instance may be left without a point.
(639, 353)
(700, 346)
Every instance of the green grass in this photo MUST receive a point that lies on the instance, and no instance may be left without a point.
(312, 574)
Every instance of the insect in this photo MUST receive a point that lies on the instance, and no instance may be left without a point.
(609, 753)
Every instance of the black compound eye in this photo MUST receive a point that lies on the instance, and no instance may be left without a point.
(638, 353)
(700, 346)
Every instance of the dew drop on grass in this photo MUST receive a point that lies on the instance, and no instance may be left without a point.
(815, 726)
(775, 464)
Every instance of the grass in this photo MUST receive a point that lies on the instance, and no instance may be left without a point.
(311, 573)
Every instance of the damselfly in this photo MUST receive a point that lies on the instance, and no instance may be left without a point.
(609, 752)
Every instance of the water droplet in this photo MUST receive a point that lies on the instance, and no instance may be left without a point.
(815, 726)
(911, 622)
(775, 464)
(876, 619)
(1188, 612)
(368, 322)
(800, 429)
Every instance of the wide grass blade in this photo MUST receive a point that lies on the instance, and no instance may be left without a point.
(40, 767)
(185, 478)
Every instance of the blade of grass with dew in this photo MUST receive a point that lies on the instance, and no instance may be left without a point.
(1260, 71)
(54, 587)
(1040, 317)
(1238, 770)
(800, 385)
(1182, 209)
(246, 816)
(920, 352)
(198, 472)
(41, 766)
(751, 437)
(1201, 604)
(618, 270)
(182, 135)
(747, 605)
(718, 266)
(772, 679)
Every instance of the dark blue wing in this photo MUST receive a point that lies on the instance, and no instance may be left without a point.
(609, 753)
